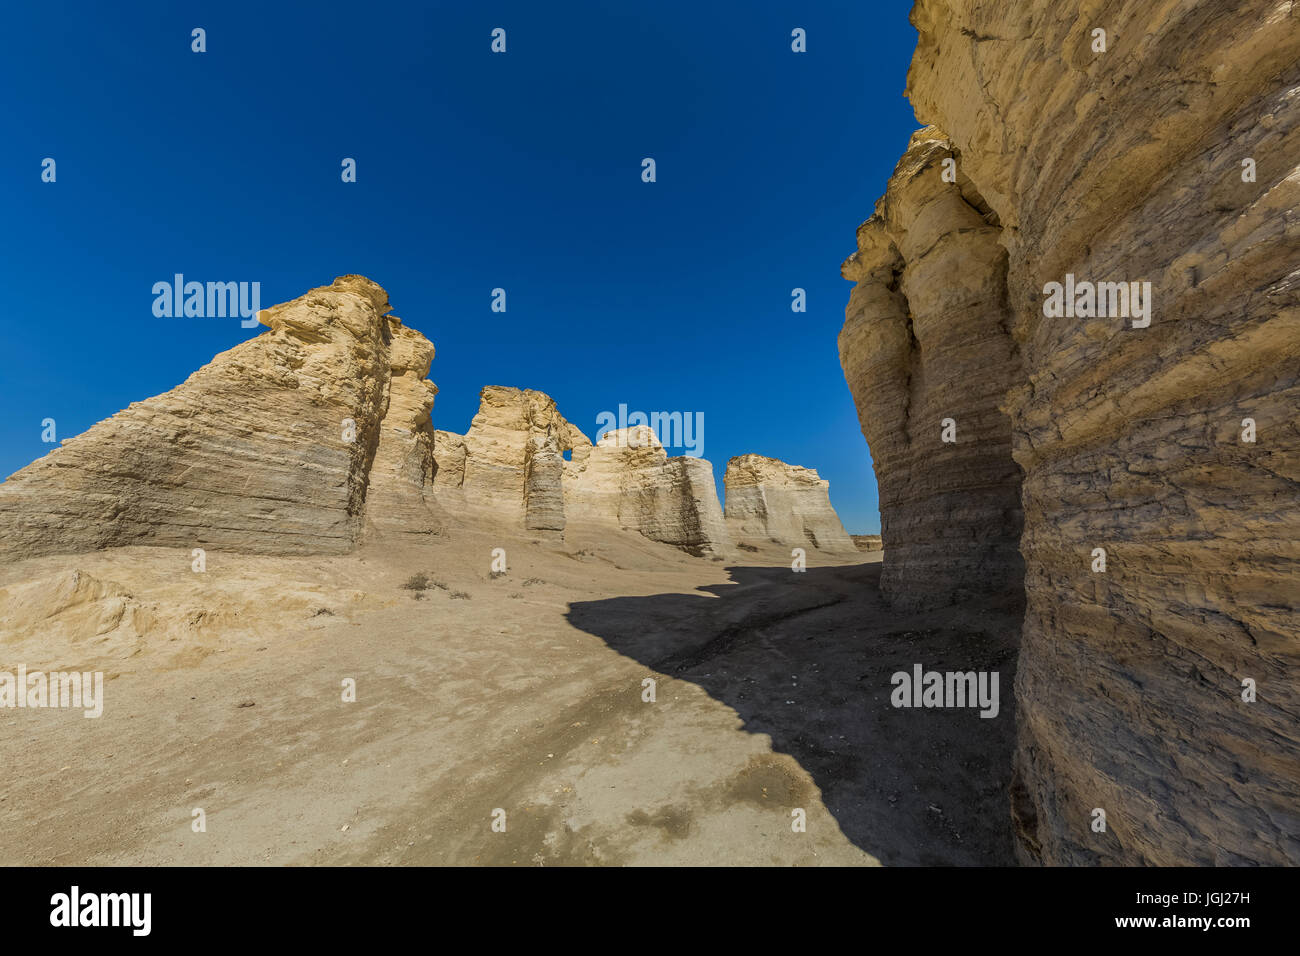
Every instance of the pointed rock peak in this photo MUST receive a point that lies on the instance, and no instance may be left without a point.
(351, 304)
(366, 288)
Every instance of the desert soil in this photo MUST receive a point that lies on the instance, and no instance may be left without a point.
(521, 692)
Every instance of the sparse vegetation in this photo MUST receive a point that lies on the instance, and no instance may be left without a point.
(422, 582)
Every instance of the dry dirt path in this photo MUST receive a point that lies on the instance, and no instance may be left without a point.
(521, 694)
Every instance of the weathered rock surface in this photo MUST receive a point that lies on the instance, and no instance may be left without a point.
(928, 355)
(544, 485)
(1117, 166)
(252, 452)
(790, 505)
(400, 496)
(510, 466)
(629, 479)
(510, 463)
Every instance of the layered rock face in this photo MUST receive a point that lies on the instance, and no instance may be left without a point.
(544, 485)
(401, 491)
(269, 448)
(1167, 157)
(510, 463)
(790, 505)
(928, 354)
(629, 478)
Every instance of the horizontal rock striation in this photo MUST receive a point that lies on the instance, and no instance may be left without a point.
(316, 436)
(629, 479)
(269, 448)
(768, 499)
(400, 497)
(928, 354)
(1168, 156)
(510, 463)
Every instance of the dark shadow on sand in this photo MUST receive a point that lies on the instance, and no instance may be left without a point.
(807, 659)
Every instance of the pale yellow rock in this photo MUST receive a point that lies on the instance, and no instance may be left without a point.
(269, 448)
(629, 479)
(487, 471)
(768, 499)
(400, 496)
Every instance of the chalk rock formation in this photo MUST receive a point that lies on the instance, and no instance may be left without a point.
(790, 505)
(400, 496)
(628, 478)
(544, 484)
(510, 466)
(928, 355)
(268, 448)
(1167, 157)
(510, 463)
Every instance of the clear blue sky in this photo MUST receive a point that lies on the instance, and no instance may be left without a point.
(475, 171)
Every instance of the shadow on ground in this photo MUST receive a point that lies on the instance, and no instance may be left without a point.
(807, 659)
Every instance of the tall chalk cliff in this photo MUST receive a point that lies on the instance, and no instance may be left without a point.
(770, 500)
(1108, 142)
(276, 446)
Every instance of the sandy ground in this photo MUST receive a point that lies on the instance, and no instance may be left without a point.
(521, 693)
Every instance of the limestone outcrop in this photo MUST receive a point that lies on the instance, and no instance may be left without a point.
(1156, 431)
(544, 484)
(927, 351)
(770, 500)
(275, 446)
(629, 479)
(400, 496)
(510, 466)
(510, 463)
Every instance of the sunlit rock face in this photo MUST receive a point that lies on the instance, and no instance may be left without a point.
(628, 479)
(767, 499)
(269, 448)
(510, 464)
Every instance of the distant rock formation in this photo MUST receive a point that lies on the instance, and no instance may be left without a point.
(272, 447)
(316, 436)
(510, 463)
(768, 499)
(628, 478)
(867, 542)
(1161, 150)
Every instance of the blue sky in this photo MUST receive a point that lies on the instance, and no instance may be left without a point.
(474, 171)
